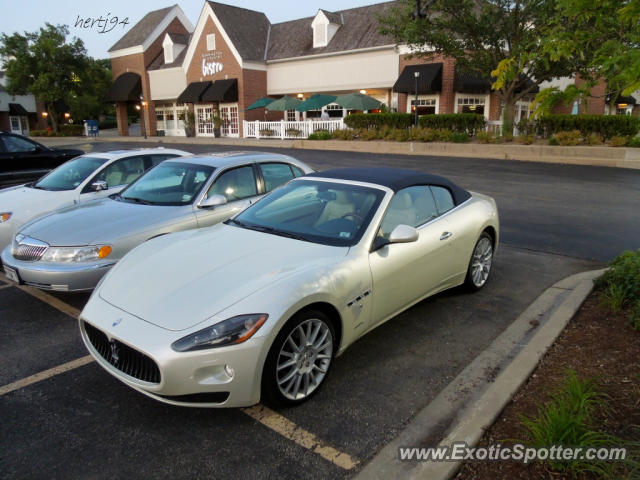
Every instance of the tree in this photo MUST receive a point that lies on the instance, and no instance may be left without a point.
(495, 39)
(44, 64)
(605, 35)
(94, 81)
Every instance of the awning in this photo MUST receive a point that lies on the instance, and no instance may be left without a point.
(429, 80)
(284, 103)
(17, 109)
(629, 99)
(193, 92)
(470, 83)
(126, 88)
(357, 101)
(222, 91)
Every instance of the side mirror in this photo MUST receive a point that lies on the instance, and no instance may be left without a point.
(403, 234)
(213, 201)
(99, 185)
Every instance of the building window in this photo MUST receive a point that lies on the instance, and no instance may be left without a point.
(291, 115)
(471, 105)
(334, 110)
(211, 41)
(425, 105)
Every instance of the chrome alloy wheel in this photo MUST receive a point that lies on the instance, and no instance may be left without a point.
(304, 359)
(481, 262)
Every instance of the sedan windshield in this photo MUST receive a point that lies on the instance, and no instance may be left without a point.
(70, 174)
(170, 183)
(315, 211)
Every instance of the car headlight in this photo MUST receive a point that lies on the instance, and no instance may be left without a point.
(5, 216)
(76, 254)
(228, 332)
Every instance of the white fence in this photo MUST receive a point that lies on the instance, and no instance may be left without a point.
(286, 130)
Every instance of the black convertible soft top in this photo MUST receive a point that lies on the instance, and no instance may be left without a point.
(394, 178)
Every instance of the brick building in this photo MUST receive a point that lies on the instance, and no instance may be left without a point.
(233, 56)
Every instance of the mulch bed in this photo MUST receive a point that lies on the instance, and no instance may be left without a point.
(596, 343)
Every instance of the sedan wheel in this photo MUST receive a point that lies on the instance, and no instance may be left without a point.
(480, 263)
(299, 359)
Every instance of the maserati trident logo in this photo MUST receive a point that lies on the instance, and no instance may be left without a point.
(116, 323)
(114, 351)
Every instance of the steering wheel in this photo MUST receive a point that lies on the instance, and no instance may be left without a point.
(354, 215)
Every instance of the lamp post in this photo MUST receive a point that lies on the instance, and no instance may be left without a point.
(142, 125)
(415, 106)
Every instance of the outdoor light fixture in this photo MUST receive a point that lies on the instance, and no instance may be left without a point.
(67, 115)
(300, 95)
(142, 126)
(622, 105)
(364, 92)
(416, 74)
(137, 107)
(44, 114)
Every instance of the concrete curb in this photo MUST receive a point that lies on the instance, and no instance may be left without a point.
(452, 417)
(620, 157)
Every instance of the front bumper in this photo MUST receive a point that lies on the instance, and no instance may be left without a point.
(193, 379)
(65, 277)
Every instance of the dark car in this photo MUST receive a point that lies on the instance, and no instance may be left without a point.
(23, 159)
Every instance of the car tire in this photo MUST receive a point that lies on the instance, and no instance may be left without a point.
(480, 263)
(299, 359)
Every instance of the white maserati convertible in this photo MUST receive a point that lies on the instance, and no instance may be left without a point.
(257, 308)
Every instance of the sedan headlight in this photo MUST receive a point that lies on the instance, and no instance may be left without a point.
(5, 216)
(76, 254)
(228, 332)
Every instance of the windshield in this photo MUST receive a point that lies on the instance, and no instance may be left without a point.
(70, 174)
(170, 183)
(315, 211)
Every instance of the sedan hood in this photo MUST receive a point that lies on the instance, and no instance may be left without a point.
(177, 281)
(99, 221)
(26, 202)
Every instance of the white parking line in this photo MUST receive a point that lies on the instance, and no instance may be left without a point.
(293, 432)
(52, 372)
(260, 413)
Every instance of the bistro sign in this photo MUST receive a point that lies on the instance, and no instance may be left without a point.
(210, 63)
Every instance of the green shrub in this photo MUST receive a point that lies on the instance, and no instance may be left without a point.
(487, 137)
(618, 141)
(459, 137)
(443, 134)
(67, 130)
(345, 134)
(566, 419)
(620, 285)
(553, 141)
(607, 126)
(526, 139)
(320, 135)
(506, 138)
(470, 123)
(377, 120)
(267, 132)
(568, 139)
(634, 316)
(293, 132)
(419, 134)
(634, 142)
(40, 133)
(526, 126)
(595, 139)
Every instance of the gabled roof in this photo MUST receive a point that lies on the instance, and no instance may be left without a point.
(179, 38)
(158, 62)
(248, 30)
(141, 30)
(360, 29)
(332, 16)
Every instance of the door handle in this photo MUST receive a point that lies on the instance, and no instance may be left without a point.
(445, 235)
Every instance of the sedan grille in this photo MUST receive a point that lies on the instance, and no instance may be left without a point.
(126, 359)
(28, 249)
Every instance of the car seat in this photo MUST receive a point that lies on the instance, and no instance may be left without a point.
(336, 208)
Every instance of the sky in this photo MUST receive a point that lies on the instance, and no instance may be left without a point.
(30, 15)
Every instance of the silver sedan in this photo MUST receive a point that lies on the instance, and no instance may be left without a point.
(256, 308)
(72, 248)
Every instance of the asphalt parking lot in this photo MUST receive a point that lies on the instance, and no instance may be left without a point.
(556, 220)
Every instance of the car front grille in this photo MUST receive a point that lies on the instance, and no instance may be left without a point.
(126, 359)
(28, 249)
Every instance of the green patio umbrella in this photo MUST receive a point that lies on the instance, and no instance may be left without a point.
(260, 103)
(357, 101)
(284, 103)
(315, 102)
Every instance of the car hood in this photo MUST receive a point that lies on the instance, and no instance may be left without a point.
(99, 221)
(26, 202)
(178, 281)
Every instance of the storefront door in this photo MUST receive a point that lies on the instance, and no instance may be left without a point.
(204, 121)
(19, 125)
(229, 115)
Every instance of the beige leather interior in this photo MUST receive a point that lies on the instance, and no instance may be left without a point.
(337, 208)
